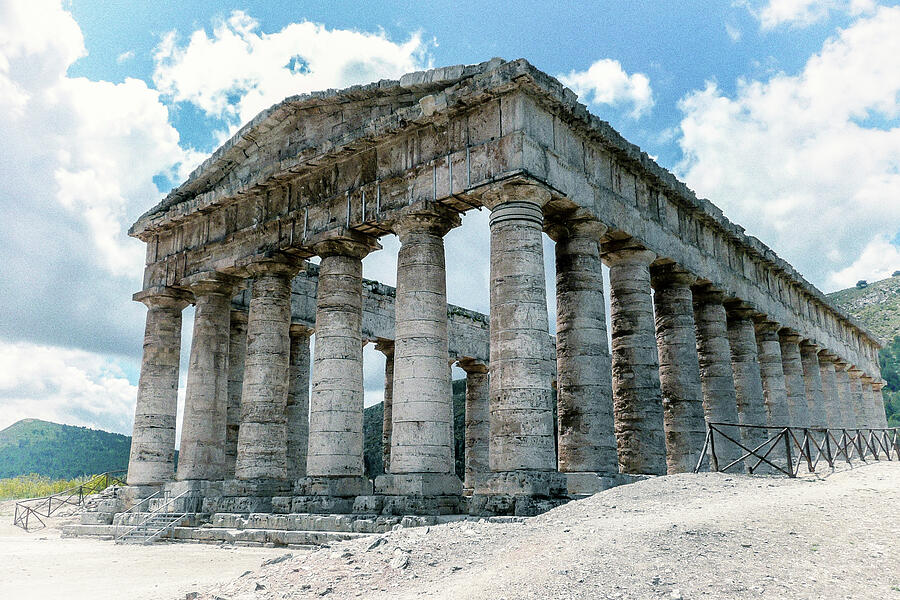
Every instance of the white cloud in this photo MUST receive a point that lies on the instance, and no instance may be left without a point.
(733, 31)
(60, 385)
(878, 260)
(606, 82)
(125, 56)
(809, 163)
(240, 71)
(803, 13)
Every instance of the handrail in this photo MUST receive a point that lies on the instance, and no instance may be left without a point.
(811, 445)
(132, 510)
(151, 515)
(28, 507)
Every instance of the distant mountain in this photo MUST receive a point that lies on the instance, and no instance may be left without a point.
(60, 451)
(876, 306)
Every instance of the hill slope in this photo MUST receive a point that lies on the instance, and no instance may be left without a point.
(877, 307)
(60, 451)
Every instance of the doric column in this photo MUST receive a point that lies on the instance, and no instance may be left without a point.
(202, 453)
(422, 411)
(477, 434)
(842, 378)
(637, 398)
(771, 370)
(387, 348)
(812, 377)
(794, 382)
(262, 434)
(297, 409)
(868, 401)
(522, 448)
(878, 396)
(153, 437)
(857, 404)
(587, 440)
(237, 350)
(829, 389)
(334, 464)
(679, 367)
(747, 377)
(716, 375)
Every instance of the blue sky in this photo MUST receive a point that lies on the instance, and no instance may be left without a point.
(785, 113)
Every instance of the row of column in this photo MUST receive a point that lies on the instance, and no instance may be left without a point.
(681, 356)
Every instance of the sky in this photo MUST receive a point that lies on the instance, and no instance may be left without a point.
(784, 113)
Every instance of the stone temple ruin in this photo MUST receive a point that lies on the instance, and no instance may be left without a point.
(708, 324)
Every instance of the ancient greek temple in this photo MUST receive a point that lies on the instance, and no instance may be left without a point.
(707, 323)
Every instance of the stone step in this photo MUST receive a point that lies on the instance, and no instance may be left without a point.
(218, 535)
(338, 523)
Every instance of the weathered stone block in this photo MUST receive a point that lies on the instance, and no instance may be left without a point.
(418, 484)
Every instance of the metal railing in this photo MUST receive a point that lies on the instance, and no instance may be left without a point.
(148, 526)
(785, 449)
(31, 509)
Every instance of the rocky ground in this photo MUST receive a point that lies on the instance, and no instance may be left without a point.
(685, 536)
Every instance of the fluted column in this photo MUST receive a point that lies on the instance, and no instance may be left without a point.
(679, 367)
(878, 396)
(203, 427)
(422, 424)
(387, 348)
(522, 449)
(857, 402)
(771, 370)
(297, 408)
(586, 441)
(237, 350)
(747, 376)
(842, 379)
(868, 400)
(794, 383)
(153, 437)
(334, 464)
(716, 375)
(830, 389)
(261, 437)
(477, 434)
(812, 376)
(637, 398)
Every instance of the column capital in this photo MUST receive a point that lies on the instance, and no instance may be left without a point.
(471, 365)
(866, 378)
(344, 242)
(826, 356)
(855, 372)
(516, 190)
(841, 365)
(238, 316)
(208, 283)
(705, 293)
(766, 327)
(276, 263)
(163, 297)
(627, 251)
(570, 228)
(789, 335)
(808, 345)
(738, 309)
(298, 329)
(386, 347)
(426, 217)
(671, 275)
(878, 384)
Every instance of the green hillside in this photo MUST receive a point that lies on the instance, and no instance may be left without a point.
(877, 307)
(60, 451)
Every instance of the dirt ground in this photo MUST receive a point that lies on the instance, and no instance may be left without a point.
(684, 536)
(43, 566)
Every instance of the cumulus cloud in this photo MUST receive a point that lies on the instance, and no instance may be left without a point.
(809, 163)
(803, 13)
(878, 260)
(239, 71)
(73, 386)
(606, 82)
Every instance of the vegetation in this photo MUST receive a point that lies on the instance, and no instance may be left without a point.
(59, 451)
(34, 486)
(877, 307)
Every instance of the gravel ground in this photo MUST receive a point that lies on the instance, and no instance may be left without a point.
(683, 536)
